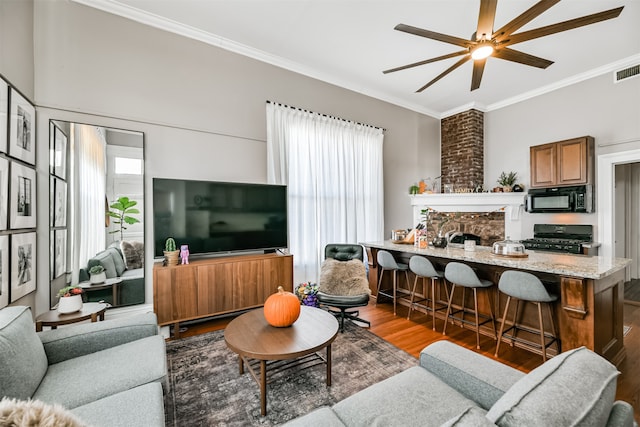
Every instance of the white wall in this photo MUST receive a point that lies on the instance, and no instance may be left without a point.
(202, 108)
(609, 112)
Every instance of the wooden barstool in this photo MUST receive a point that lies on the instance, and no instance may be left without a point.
(387, 262)
(528, 288)
(423, 269)
(462, 275)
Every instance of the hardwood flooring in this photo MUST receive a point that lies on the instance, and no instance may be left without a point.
(415, 334)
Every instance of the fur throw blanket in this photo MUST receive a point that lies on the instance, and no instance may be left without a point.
(19, 413)
(343, 277)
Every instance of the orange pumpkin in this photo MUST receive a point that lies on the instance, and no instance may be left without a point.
(282, 308)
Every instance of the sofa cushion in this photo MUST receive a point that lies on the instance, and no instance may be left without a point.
(574, 388)
(106, 259)
(133, 253)
(324, 417)
(14, 412)
(87, 378)
(472, 417)
(414, 397)
(118, 261)
(140, 406)
(23, 362)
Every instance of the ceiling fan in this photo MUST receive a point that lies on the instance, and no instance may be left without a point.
(486, 42)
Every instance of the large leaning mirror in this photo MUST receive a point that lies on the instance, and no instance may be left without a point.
(96, 195)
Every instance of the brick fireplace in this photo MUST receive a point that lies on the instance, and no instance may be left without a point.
(462, 149)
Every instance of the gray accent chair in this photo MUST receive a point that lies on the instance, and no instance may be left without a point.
(422, 268)
(345, 301)
(454, 386)
(108, 373)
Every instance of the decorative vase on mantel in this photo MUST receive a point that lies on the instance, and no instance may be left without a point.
(70, 304)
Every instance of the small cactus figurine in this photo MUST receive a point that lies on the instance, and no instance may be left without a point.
(170, 245)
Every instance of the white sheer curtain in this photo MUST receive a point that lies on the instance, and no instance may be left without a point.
(89, 147)
(333, 170)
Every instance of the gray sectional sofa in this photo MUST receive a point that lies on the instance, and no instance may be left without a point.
(109, 373)
(453, 386)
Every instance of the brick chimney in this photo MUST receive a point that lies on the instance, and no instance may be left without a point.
(462, 149)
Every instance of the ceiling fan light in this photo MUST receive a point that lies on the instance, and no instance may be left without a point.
(482, 51)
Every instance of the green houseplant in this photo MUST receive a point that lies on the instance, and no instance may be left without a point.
(507, 180)
(97, 274)
(123, 208)
(171, 252)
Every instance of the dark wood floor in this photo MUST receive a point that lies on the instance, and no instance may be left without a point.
(415, 334)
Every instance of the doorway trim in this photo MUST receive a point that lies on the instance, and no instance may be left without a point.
(605, 191)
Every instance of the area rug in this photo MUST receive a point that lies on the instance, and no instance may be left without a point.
(206, 388)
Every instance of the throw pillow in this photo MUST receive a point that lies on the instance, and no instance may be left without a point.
(577, 387)
(15, 412)
(133, 253)
(343, 277)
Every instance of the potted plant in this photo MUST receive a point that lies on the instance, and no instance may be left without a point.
(70, 299)
(171, 252)
(97, 274)
(507, 180)
(123, 208)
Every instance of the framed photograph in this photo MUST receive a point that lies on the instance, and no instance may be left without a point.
(22, 126)
(4, 192)
(4, 271)
(60, 249)
(52, 249)
(60, 204)
(52, 200)
(60, 153)
(23, 265)
(22, 205)
(4, 109)
(52, 147)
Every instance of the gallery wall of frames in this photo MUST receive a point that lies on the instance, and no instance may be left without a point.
(17, 195)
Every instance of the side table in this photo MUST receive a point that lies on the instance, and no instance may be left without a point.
(112, 284)
(90, 310)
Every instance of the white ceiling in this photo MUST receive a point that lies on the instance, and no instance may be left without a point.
(349, 42)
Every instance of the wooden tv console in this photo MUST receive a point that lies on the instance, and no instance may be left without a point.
(214, 286)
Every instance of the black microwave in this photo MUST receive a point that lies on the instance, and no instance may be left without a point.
(560, 199)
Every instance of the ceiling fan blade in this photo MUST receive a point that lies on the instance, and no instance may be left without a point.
(427, 61)
(445, 72)
(478, 69)
(521, 57)
(523, 19)
(563, 26)
(485, 19)
(433, 35)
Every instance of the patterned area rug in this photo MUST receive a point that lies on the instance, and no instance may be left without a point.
(206, 388)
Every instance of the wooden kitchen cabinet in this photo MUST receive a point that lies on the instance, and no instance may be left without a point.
(210, 287)
(562, 163)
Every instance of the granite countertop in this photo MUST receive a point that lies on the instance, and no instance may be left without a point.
(583, 266)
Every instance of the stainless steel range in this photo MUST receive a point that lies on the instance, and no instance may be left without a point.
(573, 239)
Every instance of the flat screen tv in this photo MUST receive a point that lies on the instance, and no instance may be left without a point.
(219, 217)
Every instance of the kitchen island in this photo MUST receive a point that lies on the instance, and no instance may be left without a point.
(590, 288)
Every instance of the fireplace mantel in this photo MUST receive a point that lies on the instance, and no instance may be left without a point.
(511, 203)
(469, 202)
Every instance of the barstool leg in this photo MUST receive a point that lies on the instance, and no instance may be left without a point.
(475, 306)
(413, 294)
(493, 317)
(544, 348)
(515, 319)
(553, 329)
(433, 301)
(395, 287)
(504, 318)
(446, 317)
(379, 284)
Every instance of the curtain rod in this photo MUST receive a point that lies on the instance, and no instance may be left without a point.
(325, 115)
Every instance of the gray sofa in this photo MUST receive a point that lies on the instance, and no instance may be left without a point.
(108, 373)
(453, 386)
(131, 290)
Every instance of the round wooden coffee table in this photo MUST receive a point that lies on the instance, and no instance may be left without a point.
(257, 342)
